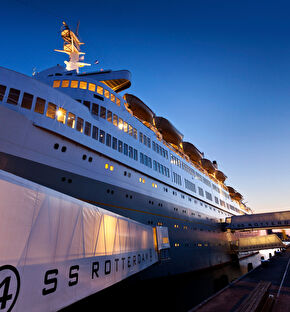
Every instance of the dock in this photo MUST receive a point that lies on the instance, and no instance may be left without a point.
(264, 289)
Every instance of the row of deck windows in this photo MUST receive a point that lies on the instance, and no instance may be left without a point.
(86, 86)
(159, 149)
(106, 114)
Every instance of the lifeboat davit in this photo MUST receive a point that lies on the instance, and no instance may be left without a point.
(169, 132)
(139, 108)
(192, 152)
(220, 176)
(208, 165)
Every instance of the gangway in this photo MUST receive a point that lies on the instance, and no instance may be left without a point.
(56, 250)
(255, 243)
(270, 220)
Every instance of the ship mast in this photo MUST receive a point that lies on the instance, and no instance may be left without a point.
(71, 46)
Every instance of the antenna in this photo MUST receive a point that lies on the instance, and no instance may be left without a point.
(71, 46)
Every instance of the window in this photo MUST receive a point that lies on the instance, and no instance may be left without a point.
(114, 144)
(87, 104)
(126, 149)
(115, 120)
(130, 151)
(51, 110)
(61, 115)
(88, 128)
(39, 105)
(102, 136)
(118, 102)
(83, 84)
(107, 94)
(108, 140)
(27, 100)
(120, 124)
(113, 98)
(2, 92)
(200, 191)
(120, 146)
(80, 124)
(95, 109)
(95, 132)
(65, 83)
(74, 84)
(135, 154)
(189, 185)
(100, 90)
(208, 195)
(103, 112)
(71, 120)
(56, 84)
(13, 96)
(130, 130)
(109, 116)
(92, 87)
(125, 126)
(141, 137)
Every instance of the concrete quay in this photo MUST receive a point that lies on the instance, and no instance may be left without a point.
(264, 289)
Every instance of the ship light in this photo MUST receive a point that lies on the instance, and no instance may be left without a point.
(60, 115)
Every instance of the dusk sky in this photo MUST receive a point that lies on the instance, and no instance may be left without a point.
(218, 70)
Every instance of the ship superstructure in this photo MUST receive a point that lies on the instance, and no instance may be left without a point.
(75, 133)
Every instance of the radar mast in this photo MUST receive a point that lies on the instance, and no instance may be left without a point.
(71, 46)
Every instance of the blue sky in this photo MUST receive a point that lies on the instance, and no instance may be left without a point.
(218, 70)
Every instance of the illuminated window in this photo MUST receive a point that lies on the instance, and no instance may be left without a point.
(56, 84)
(109, 116)
(176, 245)
(102, 136)
(83, 84)
(140, 179)
(115, 120)
(118, 102)
(80, 124)
(27, 100)
(199, 245)
(71, 120)
(130, 130)
(100, 90)
(106, 166)
(113, 98)
(111, 168)
(61, 115)
(125, 126)
(65, 83)
(154, 185)
(107, 94)
(92, 87)
(39, 105)
(120, 124)
(74, 84)
(51, 110)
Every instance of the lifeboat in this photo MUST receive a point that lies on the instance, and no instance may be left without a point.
(192, 152)
(139, 109)
(169, 133)
(234, 194)
(208, 165)
(220, 176)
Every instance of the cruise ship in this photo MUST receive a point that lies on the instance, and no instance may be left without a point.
(82, 134)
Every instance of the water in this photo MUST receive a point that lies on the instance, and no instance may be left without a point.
(177, 293)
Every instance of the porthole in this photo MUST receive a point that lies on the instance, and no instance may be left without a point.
(56, 146)
(69, 180)
(90, 159)
(84, 157)
(63, 149)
